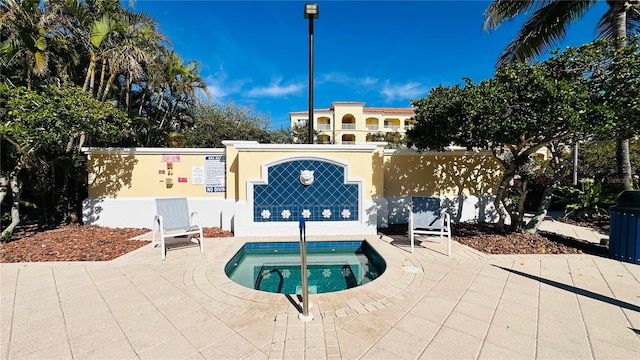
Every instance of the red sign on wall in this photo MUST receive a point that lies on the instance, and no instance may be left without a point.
(182, 179)
(171, 158)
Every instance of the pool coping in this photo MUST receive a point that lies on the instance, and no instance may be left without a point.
(389, 288)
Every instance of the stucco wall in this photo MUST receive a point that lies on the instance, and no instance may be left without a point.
(124, 183)
(141, 172)
(465, 182)
(439, 173)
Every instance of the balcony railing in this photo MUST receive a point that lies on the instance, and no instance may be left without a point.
(348, 126)
(323, 127)
(372, 127)
(351, 142)
(392, 127)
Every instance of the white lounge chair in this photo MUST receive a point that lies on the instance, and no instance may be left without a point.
(426, 218)
(173, 220)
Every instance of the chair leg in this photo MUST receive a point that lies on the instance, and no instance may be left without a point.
(164, 248)
(412, 238)
(201, 242)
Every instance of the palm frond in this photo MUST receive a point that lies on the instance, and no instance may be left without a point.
(545, 28)
(502, 10)
(607, 24)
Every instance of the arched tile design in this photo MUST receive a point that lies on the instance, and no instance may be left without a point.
(284, 198)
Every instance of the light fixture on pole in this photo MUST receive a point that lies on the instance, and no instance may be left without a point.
(311, 11)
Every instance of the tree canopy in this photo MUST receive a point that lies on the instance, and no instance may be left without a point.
(525, 107)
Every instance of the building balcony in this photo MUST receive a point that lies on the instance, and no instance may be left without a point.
(372, 127)
(323, 127)
(348, 126)
(392, 127)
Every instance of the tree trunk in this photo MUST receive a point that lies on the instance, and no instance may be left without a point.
(547, 195)
(4, 186)
(14, 184)
(144, 95)
(623, 159)
(107, 87)
(543, 209)
(517, 220)
(501, 194)
(101, 85)
(90, 70)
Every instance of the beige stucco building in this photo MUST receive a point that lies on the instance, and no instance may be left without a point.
(349, 122)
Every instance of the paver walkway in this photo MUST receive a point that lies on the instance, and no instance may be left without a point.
(425, 305)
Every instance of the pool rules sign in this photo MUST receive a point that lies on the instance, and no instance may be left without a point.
(215, 173)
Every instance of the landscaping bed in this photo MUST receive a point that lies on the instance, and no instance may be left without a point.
(93, 243)
(484, 238)
(77, 243)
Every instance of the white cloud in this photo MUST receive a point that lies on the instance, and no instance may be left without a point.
(334, 77)
(219, 88)
(410, 90)
(368, 81)
(345, 79)
(276, 89)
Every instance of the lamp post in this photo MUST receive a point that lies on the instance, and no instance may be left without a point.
(311, 11)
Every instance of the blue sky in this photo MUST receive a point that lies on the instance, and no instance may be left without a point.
(384, 53)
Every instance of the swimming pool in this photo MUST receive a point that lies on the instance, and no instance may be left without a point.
(331, 266)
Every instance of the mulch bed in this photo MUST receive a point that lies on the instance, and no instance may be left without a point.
(93, 243)
(483, 237)
(77, 243)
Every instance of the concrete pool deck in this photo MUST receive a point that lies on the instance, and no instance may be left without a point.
(425, 305)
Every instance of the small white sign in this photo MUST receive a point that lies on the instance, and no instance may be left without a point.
(197, 175)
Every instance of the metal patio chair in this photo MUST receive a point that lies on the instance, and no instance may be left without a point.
(173, 220)
(426, 218)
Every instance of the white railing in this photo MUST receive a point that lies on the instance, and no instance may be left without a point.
(392, 127)
(348, 126)
(323, 127)
(348, 142)
(372, 127)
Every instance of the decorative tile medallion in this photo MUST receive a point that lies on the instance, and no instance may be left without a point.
(313, 189)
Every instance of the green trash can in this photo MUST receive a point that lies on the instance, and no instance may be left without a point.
(624, 235)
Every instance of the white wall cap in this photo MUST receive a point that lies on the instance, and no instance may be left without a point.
(141, 150)
(235, 142)
(359, 147)
(430, 152)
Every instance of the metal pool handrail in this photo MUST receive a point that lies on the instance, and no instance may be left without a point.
(305, 316)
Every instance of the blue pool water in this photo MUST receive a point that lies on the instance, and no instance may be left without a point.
(331, 266)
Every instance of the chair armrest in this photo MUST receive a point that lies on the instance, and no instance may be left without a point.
(447, 217)
(196, 216)
(157, 219)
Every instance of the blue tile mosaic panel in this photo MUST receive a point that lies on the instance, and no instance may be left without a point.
(328, 198)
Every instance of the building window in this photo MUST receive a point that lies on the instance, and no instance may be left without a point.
(348, 139)
(348, 122)
(392, 124)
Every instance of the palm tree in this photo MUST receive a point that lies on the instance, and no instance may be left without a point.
(548, 25)
(27, 33)
(174, 90)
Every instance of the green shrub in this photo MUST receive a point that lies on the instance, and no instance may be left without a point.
(588, 201)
